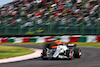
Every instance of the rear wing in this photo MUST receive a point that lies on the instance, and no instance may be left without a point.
(71, 45)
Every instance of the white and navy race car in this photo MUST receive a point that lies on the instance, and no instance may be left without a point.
(60, 50)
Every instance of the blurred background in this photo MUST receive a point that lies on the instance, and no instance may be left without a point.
(49, 17)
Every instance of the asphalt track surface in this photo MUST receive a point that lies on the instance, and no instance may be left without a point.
(90, 58)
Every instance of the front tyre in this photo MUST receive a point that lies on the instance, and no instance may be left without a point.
(70, 54)
(44, 54)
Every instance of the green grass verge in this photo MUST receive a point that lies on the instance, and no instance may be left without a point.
(8, 51)
(97, 44)
(29, 43)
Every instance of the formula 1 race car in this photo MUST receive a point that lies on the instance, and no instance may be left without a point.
(60, 50)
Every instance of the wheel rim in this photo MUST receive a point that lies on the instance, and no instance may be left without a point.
(71, 55)
(80, 53)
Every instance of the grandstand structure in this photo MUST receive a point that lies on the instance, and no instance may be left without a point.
(50, 17)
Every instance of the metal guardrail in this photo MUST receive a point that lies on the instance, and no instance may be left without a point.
(51, 30)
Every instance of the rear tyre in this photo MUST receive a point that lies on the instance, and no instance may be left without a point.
(77, 53)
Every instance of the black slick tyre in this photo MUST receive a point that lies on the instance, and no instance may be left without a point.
(77, 53)
(70, 54)
(44, 54)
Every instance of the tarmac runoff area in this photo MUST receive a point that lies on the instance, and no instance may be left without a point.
(36, 54)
